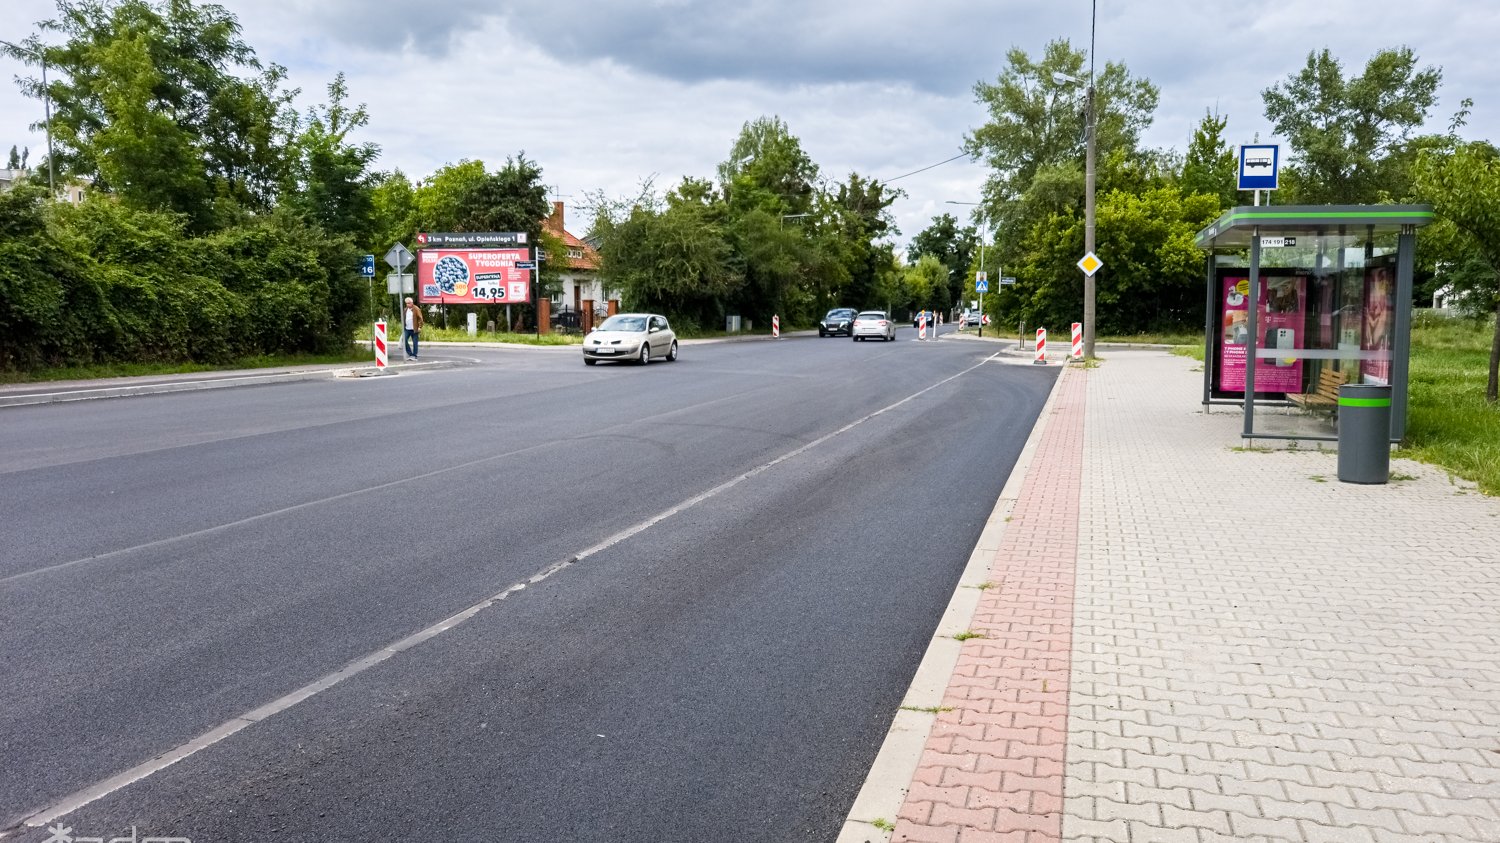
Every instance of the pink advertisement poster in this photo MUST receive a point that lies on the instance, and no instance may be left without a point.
(1282, 320)
(473, 276)
(1375, 336)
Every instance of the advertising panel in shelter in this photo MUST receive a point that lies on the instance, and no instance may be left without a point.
(473, 276)
(1378, 328)
(1281, 325)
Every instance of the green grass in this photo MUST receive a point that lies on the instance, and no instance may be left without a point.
(1449, 424)
(883, 824)
(967, 634)
(927, 709)
(431, 334)
(120, 370)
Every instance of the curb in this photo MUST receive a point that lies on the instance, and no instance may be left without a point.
(884, 790)
(164, 387)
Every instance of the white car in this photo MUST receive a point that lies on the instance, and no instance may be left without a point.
(873, 323)
(637, 337)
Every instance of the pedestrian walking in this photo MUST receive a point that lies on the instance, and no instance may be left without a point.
(412, 333)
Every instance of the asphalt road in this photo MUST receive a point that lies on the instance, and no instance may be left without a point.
(699, 590)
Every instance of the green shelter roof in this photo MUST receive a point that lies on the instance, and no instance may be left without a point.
(1237, 226)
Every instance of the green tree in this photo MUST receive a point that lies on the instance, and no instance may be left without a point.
(1342, 131)
(1210, 167)
(676, 261)
(1037, 117)
(14, 162)
(330, 182)
(767, 170)
(956, 247)
(168, 68)
(1463, 186)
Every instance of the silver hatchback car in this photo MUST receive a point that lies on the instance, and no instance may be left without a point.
(874, 323)
(638, 337)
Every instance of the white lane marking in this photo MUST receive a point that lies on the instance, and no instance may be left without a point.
(98, 791)
(218, 528)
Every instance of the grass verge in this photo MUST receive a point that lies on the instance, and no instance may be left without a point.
(1448, 421)
(431, 334)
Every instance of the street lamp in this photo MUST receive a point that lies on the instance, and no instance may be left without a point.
(982, 238)
(1090, 131)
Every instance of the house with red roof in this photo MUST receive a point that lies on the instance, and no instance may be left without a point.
(580, 272)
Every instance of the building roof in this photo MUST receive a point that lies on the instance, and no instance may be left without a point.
(587, 258)
(1239, 225)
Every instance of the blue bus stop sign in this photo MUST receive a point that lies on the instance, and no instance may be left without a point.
(1259, 166)
(367, 266)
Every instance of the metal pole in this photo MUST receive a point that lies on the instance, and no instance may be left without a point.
(1090, 280)
(1209, 317)
(1253, 321)
(47, 98)
(1406, 249)
(983, 238)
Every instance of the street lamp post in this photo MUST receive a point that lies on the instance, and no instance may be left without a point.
(1088, 182)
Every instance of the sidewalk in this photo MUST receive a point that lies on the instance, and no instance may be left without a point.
(1183, 640)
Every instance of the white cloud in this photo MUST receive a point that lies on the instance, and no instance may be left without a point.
(605, 95)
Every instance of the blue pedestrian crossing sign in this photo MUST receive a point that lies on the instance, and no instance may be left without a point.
(981, 282)
(1259, 166)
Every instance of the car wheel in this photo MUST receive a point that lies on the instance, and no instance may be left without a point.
(588, 361)
(645, 353)
(672, 352)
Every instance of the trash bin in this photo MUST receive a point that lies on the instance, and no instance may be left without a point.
(1364, 433)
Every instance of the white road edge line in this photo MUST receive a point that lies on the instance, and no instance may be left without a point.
(98, 791)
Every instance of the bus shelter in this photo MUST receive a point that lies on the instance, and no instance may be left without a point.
(1332, 306)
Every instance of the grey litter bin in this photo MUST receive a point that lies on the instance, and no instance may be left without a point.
(1364, 433)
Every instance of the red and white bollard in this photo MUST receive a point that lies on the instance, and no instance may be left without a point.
(1041, 347)
(1077, 340)
(775, 325)
(380, 351)
(922, 327)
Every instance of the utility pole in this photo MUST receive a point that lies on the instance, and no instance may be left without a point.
(1088, 227)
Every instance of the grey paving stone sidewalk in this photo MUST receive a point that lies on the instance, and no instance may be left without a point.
(1262, 653)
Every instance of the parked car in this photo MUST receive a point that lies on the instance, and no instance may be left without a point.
(840, 320)
(916, 321)
(638, 337)
(873, 323)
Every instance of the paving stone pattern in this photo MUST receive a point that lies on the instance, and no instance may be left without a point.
(1262, 653)
(992, 768)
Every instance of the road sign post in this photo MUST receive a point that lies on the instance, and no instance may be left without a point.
(399, 257)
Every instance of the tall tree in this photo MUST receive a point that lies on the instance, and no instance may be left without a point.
(768, 170)
(1210, 167)
(14, 162)
(1340, 130)
(951, 244)
(1037, 117)
(169, 69)
(330, 182)
(1463, 186)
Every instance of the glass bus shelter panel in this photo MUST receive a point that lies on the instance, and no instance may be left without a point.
(1325, 317)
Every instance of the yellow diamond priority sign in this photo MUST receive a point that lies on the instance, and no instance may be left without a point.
(1090, 264)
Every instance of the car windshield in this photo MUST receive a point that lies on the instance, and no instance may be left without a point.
(624, 323)
(839, 313)
(872, 314)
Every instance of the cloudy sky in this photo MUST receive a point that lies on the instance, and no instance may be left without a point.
(606, 94)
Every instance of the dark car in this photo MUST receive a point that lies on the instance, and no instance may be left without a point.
(840, 320)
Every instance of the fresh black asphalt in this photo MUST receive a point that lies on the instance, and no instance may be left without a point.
(172, 562)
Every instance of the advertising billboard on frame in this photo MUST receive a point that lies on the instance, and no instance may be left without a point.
(473, 276)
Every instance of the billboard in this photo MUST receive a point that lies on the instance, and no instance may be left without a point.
(473, 276)
(1282, 318)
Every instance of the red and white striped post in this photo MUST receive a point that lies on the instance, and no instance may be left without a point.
(1077, 340)
(775, 325)
(380, 352)
(922, 326)
(1041, 347)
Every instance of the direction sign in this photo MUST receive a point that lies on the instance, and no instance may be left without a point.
(1007, 280)
(367, 266)
(472, 239)
(1090, 264)
(1259, 165)
(541, 254)
(525, 264)
(398, 257)
(981, 286)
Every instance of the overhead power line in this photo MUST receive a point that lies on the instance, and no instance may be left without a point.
(929, 167)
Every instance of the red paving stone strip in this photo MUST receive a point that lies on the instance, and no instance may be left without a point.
(992, 768)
